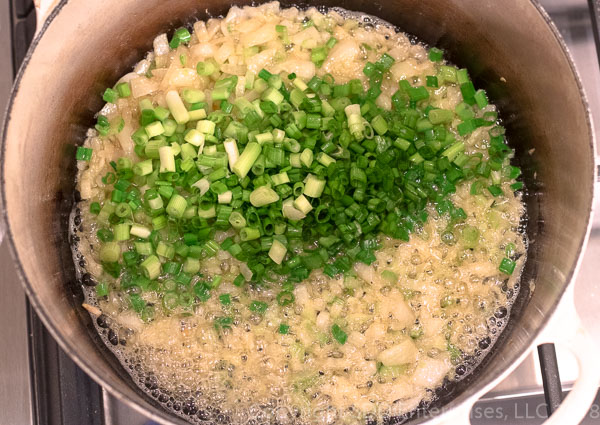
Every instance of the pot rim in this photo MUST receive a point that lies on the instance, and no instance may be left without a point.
(160, 415)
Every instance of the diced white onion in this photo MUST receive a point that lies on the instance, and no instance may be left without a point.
(161, 45)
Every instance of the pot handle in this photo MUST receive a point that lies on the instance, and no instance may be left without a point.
(578, 341)
(586, 350)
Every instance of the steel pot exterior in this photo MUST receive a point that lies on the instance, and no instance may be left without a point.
(512, 50)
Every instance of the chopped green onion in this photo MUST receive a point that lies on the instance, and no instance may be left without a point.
(83, 154)
(140, 231)
(435, 54)
(121, 231)
(258, 306)
(263, 196)
(355, 121)
(176, 206)
(110, 96)
(167, 159)
(277, 252)
(225, 299)
(481, 99)
(379, 125)
(124, 90)
(495, 190)
(151, 267)
(246, 159)
(205, 68)
(338, 334)
(249, 234)
(181, 35)
(176, 107)
(507, 266)
(95, 208)
(193, 95)
(314, 186)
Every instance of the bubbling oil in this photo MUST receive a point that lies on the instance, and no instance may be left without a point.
(453, 301)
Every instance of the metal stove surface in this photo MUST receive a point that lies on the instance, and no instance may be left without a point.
(39, 384)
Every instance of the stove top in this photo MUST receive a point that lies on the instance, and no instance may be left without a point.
(43, 386)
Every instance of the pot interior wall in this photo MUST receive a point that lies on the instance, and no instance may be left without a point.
(509, 50)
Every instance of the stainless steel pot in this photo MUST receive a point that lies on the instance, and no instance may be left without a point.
(510, 47)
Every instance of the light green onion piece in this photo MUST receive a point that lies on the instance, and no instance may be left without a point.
(189, 151)
(225, 197)
(165, 250)
(177, 108)
(249, 234)
(295, 160)
(273, 95)
(205, 68)
(154, 129)
(249, 80)
(302, 204)
(190, 212)
(146, 104)
(110, 252)
(193, 95)
(156, 203)
(290, 211)
(121, 231)
(210, 150)
(206, 126)
(278, 135)
(281, 178)
(314, 186)
(197, 114)
(143, 248)
(143, 168)
(355, 121)
(263, 138)
(325, 159)
(176, 206)
(454, 150)
(196, 138)
(390, 276)
(191, 265)
(262, 196)
(203, 185)
(151, 267)
(300, 85)
(416, 158)
(176, 148)
(306, 157)
(140, 231)
(167, 159)
(277, 251)
(439, 116)
(159, 222)
(326, 109)
(246, 160)
(256, 105)
(260, 85)
(170, 127)
(237, 220)
(208, 212)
